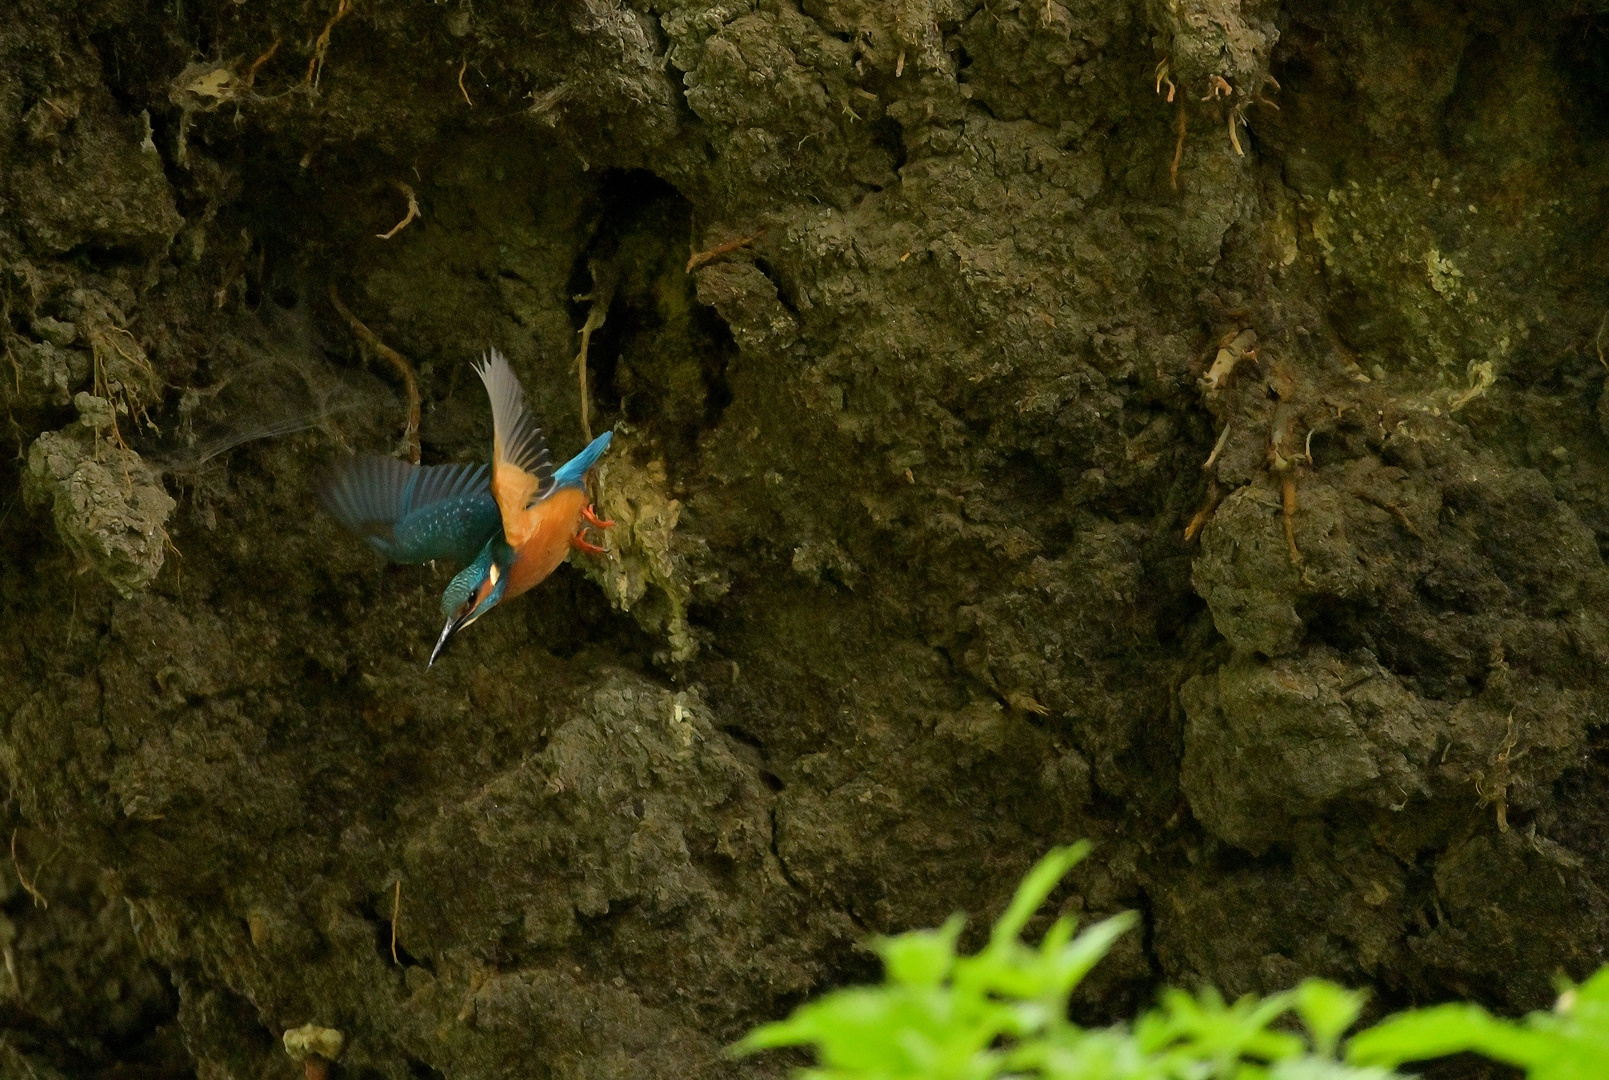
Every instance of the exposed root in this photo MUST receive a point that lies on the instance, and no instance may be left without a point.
(594, 320)
(396, 909)
(1215, 495)
(1178, 148)
(476, 981)
(16, 368)
(1279, 433)
(603, 292)
(899, 65)
(1598, 341)
(461, 69)
(28, 886)
(398, 361)
(321, 44)
(1394, 510)
(1483, 376)
(168, 544)
(725, 248)
(105, 348)
(1218, 87)
(1026, 703)
(268, 54)
(544, 103)
(1162, 72)
(1287, 484)
(1242, 346)
(1236, 119)
(413, 211)
(1217, 448)
(1493, 790)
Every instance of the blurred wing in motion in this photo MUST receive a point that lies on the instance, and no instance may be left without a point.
(414, 513)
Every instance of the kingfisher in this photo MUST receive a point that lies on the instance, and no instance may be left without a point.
(512, 522)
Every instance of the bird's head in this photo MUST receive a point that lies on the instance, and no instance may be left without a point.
(474, 591)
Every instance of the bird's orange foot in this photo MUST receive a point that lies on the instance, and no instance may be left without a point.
(580, 541)
(592, 522)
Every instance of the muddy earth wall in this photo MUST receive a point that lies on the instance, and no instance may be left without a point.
(1179, 423)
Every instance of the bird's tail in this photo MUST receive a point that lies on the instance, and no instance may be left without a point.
(573, 472)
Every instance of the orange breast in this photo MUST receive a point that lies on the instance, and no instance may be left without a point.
(541, 538)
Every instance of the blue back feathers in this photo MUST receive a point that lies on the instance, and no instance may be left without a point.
(414, 513)
(573, 472)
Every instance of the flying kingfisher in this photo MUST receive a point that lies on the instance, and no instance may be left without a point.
(512, 522)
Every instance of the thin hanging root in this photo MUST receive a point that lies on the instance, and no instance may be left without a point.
(1235, 118)
(28, 886)
(1287, 485)
(397, 360)
(601, 297)
(413, 211)
(16, 368)
(594, 320)
(1217, 448)
(321, 44)
(461, 69)
(102, 344)
(1215, 495)
(725, 248)
(1162, 73)
(396, 909)
(1242, 346)
(1178, 150)
(251, 72)
(1395, 511)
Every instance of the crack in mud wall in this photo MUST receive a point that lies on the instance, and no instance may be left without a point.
(1177, 424)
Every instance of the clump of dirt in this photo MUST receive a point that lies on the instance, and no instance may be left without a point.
(109, 506)
(1177, 424)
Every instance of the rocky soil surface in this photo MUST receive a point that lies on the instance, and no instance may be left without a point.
(1179, 423)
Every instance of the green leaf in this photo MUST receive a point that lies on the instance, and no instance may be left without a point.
(1033, 890)
(1442, 1030)
(921, 957)
(1072, 962)
(1328, 1010)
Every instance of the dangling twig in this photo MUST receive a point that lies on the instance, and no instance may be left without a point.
(396, 909)
(398, 361)
(413, 211)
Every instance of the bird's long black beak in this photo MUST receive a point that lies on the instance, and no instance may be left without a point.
(454, 624)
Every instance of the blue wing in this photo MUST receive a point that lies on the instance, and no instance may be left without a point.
(414, 513)
(573, 472)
